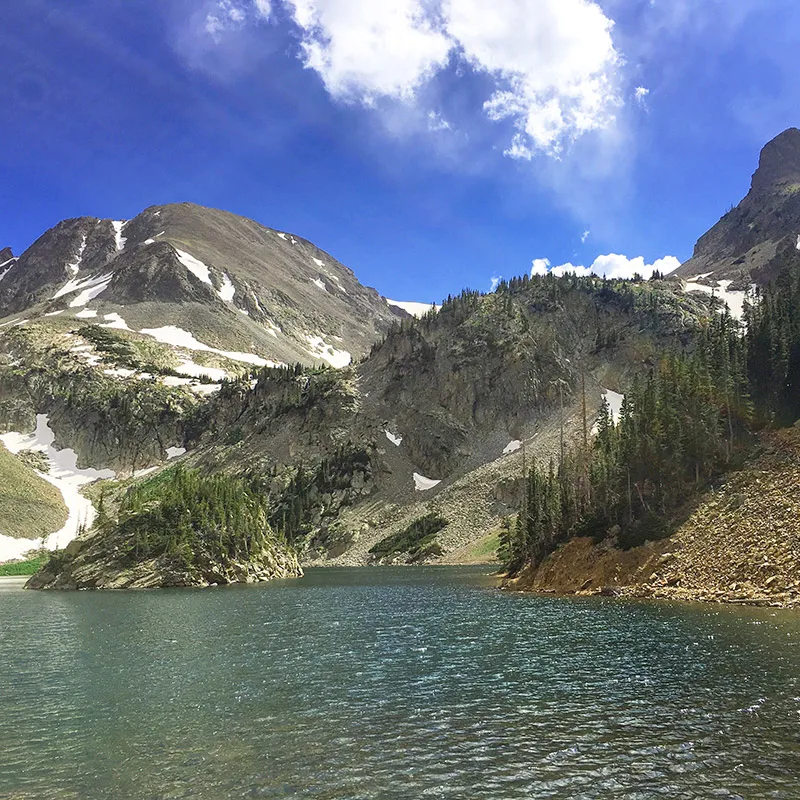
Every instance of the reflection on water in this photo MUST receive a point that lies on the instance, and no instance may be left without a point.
(399, 683)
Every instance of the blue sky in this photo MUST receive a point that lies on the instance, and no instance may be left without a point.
(428, 144)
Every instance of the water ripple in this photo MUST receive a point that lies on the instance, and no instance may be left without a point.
(367, 684)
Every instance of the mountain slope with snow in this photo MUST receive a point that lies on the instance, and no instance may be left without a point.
(223, 280)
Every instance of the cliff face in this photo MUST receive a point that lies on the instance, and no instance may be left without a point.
(753, 242)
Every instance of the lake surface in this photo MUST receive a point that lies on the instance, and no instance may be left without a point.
(393, 683)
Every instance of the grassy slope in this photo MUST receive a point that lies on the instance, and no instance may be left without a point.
(29, 506)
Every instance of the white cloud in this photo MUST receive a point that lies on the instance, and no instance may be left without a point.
(552, 63)
(495, 281)
(585, 235)
(364, 49)
(640, 95)
(609, 266)
(541, 266)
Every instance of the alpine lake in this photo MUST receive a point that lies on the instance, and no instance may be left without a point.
(393, 683)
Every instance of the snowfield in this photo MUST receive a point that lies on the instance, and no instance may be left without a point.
(89, 288)
(75, 266)
(512, 447)
(115, 321)
(614, 400)
(65, 476)
(188, 367)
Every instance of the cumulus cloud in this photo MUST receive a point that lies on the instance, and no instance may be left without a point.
(495, 281)
(609, 266)
(364, 49)
(552, 63)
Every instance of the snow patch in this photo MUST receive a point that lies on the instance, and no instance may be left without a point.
(120, 240)
(115, 321)
(733, 299)
(149, 241)
(87, 313)
(319, 263)
(281, 235)
(188, 367)
(415, 309)
(206, 388)
(65, 476)
(175, 452)
(395, 440)
(195, 266)
(8, 265)
(321, 349)
(321, 284)
(87, 295)
(54, 313)
(512, 447)
(177, 337)
(423, 484)
(614, 400)
(796, 245)
(75, 266)
(172, 380)
(89, 288)
(227, 290)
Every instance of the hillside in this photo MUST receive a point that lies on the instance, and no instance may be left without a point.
(440, 416)
(741, 544)
(437, 419)
(201, 281)
(29, 506)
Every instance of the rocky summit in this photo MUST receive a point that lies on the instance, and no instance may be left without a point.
(759, 238)
(202, 279)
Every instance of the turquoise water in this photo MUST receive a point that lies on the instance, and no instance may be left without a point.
(393, 683)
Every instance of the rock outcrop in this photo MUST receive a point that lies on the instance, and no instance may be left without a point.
(753, 242)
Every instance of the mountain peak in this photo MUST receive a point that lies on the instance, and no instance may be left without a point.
(6, 254)
(779, 163)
